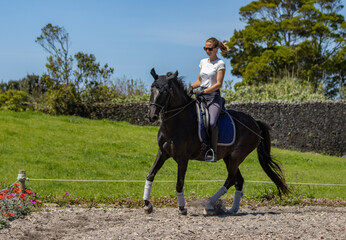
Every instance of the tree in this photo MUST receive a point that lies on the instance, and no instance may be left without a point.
(55, 40)
(324, 31)
(33, 85)
(69, 89)
(335, 78)
(287, 38)
(91, 79)
(89, 72)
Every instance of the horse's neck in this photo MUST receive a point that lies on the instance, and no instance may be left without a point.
(177, 123)
(182, 111)
(179, 99)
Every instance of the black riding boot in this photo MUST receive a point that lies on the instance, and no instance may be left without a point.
(211, 153)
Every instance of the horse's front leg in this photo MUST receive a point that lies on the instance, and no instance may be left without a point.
(161, 157)
(182, 167)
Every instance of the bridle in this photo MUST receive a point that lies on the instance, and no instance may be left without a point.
(162, 107)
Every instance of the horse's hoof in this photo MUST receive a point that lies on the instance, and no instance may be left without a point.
(232, 211)
(209, 212)
(218, 210)
(183, 211)
(148, 208)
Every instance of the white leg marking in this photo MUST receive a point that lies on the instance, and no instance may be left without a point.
(236, 202)
(181, 199)
(147, 190)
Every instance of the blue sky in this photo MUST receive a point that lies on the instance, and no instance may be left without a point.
(132, 36)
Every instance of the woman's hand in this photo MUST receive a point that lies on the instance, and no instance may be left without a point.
(190, 91)
(199, 93)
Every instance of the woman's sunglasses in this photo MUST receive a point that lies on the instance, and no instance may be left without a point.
(208, 48)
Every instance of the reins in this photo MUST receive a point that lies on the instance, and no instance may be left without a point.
(180, 109)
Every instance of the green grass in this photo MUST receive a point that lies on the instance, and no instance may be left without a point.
(69, 147)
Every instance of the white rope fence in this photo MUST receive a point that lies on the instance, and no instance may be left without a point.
(174, 181)
(21, 178)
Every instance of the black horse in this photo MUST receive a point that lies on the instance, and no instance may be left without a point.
(178, 138)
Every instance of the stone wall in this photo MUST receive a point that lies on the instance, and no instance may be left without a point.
(307, 126)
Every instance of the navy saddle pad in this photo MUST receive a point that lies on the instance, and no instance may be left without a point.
(226, 128)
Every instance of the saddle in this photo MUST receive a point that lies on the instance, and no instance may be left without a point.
(225, 123)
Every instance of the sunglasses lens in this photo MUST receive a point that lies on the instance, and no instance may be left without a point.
(209, 49)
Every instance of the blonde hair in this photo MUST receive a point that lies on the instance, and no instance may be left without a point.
(217, 43)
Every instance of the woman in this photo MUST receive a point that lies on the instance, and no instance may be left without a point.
(210, 79)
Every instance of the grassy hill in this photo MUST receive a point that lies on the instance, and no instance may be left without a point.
(69, 147)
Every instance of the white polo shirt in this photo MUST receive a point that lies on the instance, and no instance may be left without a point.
(209, 71)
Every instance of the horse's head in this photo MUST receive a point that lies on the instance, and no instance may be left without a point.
(161, 92)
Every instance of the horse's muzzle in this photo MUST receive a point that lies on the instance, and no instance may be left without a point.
(153, 118)
(153, 114)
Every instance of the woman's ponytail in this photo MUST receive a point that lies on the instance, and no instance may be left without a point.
(217, 43)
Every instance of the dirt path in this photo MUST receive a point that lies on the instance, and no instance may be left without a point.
(165, 223)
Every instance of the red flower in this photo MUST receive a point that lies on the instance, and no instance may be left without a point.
(5, 214)
(9, 196)
(20, 206)
(18, 190)
(10, 214)
(28, 191)
(38, 201)
(1, 197)
(17, 184)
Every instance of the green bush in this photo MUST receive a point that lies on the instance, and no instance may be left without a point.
(129, 90)
(131, 98)
(287, 89)
(14, 100)
(63, 100)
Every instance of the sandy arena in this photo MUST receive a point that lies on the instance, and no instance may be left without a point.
(291, 222)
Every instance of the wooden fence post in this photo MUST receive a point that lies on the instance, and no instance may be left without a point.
(21, 178)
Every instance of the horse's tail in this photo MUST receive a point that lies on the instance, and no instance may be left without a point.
(270, 167)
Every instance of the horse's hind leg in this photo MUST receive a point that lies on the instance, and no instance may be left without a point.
(239, 180)
(161, 157)
(232, 170)
(234, 178)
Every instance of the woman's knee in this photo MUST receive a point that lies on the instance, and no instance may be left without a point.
(213, 124)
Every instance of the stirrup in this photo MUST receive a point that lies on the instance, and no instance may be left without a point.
(210, 156)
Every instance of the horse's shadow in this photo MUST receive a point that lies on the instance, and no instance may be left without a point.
(221, 210)
(224, 214)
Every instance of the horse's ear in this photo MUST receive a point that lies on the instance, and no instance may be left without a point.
(172, 76)
(153, 73)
